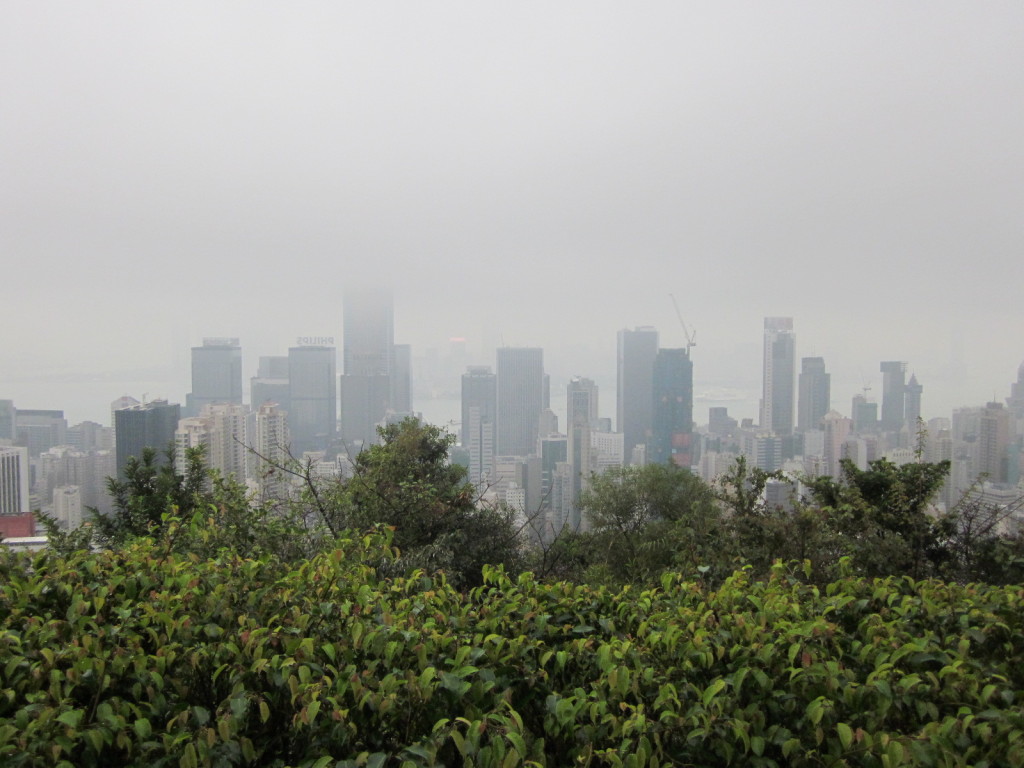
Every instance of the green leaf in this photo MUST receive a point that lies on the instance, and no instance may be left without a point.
(845, 734)
(712, 690)
(71, 718)
(142, 728)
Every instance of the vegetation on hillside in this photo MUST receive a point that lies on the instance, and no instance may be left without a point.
(390, 619)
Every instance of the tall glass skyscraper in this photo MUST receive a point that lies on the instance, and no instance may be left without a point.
(146, 425)
(520, 373)
(672, 409)
(216, 375)
(635, 363)
(312, 396)
(779, 383)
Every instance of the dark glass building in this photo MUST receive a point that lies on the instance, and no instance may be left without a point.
(672, 409)
(216, 375)
(146, 425)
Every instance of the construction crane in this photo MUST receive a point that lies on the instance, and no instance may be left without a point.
(691, 338)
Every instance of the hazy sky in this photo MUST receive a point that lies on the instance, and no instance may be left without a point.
(540, 174)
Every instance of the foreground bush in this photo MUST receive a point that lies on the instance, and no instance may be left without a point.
(147, 656)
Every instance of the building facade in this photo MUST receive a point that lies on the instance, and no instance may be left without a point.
(520, 379)
(672, 409)
(778, 388)
(216, 375)
(635, 385)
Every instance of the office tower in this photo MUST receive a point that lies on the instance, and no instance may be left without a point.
(520, 374)
(608, 451)
(369, 339)
(89, 435)
(479, 414)
(125, 401)
(14, 490)
(993, 442)
(779, 382)
(894, 389)
(763, 451)
(270, 384)
(719, 422)
(365, 402)
(815, 393)
(581, 418)
(312, 394)
(369, 364)
(672, 409)
(216, 374)
(912, 403)
(635, 376)
(401, 379)
(40, 430)
(147, 425)
(7, 431)
(865, 415)
(271, 452)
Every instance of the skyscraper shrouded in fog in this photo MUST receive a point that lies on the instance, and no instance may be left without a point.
(312, 394)
(216, 375)
(894, 389)
(779, 381)
(146, 425)
(520, 375)
(912, 403)
(814, 399)
(672, 409)
(479, 417)
(635, 375)
(369, 384)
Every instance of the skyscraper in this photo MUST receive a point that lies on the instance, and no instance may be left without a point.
(581, 419)
(520, 375)
(270, 384)
(894, 389)
(635, 375)
(993, 441)
(368, 389)
(912, 403)
(312, 394)
(814, 400)
(479, 412)
(216, 374)
(672, 409)
(14, 490)
(271, 444)
(779, 383)
(147, 425)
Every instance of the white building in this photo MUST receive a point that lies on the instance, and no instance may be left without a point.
(14, 489)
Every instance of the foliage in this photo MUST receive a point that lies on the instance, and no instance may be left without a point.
(647, 519)
(882, 515)
(149, 656)
(149, 492)
(407, 483)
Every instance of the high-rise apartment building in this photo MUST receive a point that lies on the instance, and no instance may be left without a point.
(147, 425)
(222, 430)
(271, 445)
(672, 409)
(894, 390)
(779, 380)
(635, 381)
(814, 399)
(216, 374)
(312, 394)
(520, 376)
(993, 442)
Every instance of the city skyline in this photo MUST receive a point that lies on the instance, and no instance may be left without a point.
(527, 176)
